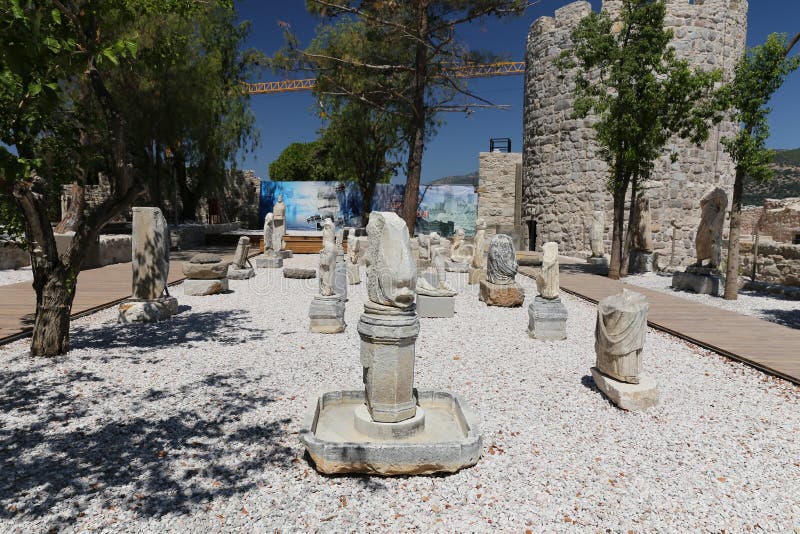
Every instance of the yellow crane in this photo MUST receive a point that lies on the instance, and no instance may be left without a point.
(505, 68)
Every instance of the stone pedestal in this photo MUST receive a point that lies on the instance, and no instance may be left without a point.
(600, 261)
(388, 339)
(701, 280)
(547, 319)
(286, 254)
(633, 397)
(644, 262)
(241, 274)
(430, 306)
(199, 288)
(327, 314)
(507, 295)
(456, 267)
(476, 275)
(147, 311)
(269, 261)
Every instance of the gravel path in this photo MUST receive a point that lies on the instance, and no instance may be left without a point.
(771, 308)
(191, 426)
(15, 276)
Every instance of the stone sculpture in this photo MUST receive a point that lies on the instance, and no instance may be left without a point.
(206, 274)
(340, 270)
(642, 257)
(460, 253)
(619, 339)
(596, 233)
(327, 309)
(477, 269)
(383, 429)
(271, 259)
(547, 315)
(700, 278)
(708, 242)
(500, 287)
(279, 231)
(353, 273)
(150, 242)
(435, 297)
(241, 269)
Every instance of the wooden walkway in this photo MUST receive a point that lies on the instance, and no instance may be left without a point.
(97, 289)
(770, 347)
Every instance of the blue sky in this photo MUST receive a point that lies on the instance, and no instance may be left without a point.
(288, 117)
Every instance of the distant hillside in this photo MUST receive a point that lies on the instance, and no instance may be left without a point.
(785, 183)
(463, 179)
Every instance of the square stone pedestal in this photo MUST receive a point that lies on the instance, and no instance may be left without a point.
(269, 262)
(547, 319)
(507, 296)
(598, 262)
(147, 311)
(429, 306)
(327, 315)
(632, 397)
(201, 288)
(456, 267)
(241, 274)
(701, 280)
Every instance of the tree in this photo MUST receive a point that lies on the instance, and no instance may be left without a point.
(67, 113)
(629, 78)
(414, 76)
(759, 73)
(303, 162)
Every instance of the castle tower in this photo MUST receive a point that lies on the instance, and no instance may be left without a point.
(564, 179)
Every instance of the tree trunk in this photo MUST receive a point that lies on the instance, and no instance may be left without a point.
(732, 272)
(417, 132)
(53, 306)
(189, 199)
(618, 229)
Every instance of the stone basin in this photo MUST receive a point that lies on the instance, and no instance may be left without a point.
(448, 441)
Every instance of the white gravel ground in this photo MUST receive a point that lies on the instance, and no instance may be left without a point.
(191, 426)
(771, 308)
(15, 276)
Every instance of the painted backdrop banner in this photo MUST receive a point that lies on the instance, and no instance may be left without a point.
(442, 207)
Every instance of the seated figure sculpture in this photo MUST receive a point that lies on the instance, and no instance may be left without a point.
(460, 253)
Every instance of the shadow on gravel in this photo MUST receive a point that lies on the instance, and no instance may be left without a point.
(588, 382)
(790, 318)
(228, 326)
(157, 461)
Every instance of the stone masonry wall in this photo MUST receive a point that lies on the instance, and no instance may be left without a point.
(497, 195)
(564, 180)
(778, 263)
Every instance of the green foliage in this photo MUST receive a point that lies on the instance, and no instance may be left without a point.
(787, 157)
(303, 162)
(629, 77)
(759, 74)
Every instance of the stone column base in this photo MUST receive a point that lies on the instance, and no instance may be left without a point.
(507, 296)
(547, 319)
(327, 315)
(269, 262)
(430, 306)
(147, 311)
(701, 280)
(632, 397)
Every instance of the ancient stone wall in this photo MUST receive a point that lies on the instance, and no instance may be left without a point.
(497, 191)
(564, 179)
(778, 263)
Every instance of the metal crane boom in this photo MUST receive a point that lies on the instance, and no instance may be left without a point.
(505, 68)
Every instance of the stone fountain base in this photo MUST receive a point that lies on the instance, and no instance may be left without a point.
(341, 437)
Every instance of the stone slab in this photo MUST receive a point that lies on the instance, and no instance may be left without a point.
(600, 262)
(296, 272)
(632, 397)
(506, 296)
(205, 271)
(703, 284)
(547, 319)
(450, 440)
(147, 311)
(241, 274)
(201, 288)
(436, 307)
(263, 262)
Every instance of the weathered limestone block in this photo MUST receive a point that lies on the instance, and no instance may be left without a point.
(547, 319)
(619, 335)
(241, 274)
(207, 267)
(150, 253)
(242, 253)
(147, 311)
(441, 306)
(631, 397)
(596, 234)
(505, 295)
(204, 287)
(326, 314)
(298, 273)
(708, 241)
(269, 260)
(701, 280)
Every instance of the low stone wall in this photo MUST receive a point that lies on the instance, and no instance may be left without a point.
(114, 248)
(187, 236)
(110, 249)
(778, 263)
